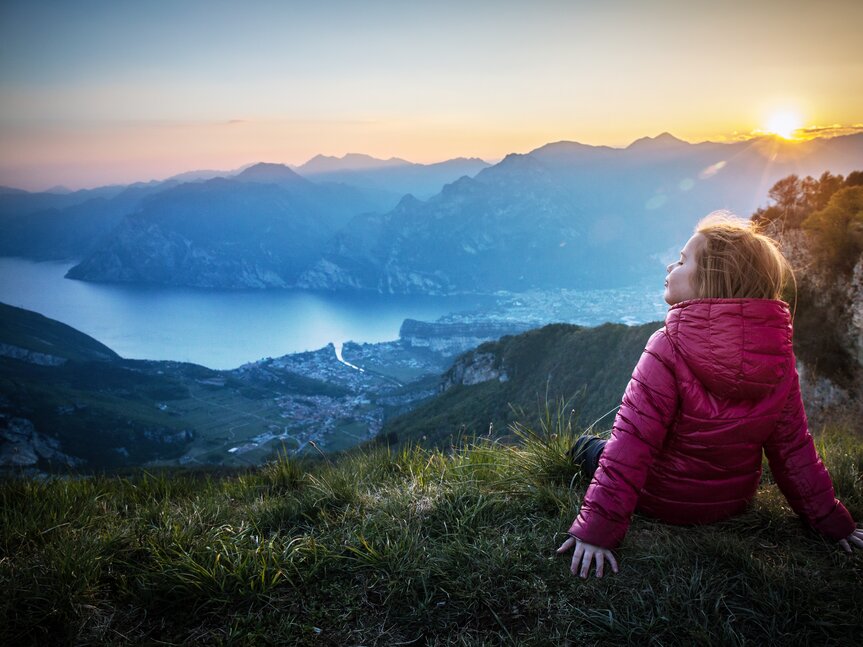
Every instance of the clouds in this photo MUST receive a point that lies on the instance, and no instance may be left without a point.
(835, 130)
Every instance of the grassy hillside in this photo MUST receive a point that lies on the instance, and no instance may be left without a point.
(410, 547)
(33, 332)
(586, 368)
(112, 413)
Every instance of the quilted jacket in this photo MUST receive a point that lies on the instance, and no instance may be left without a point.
(713, 388)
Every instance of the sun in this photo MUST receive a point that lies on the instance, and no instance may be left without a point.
(784, 124)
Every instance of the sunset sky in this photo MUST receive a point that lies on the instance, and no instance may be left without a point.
(94, 93)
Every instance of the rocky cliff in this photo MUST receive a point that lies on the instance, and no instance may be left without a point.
(259, 229)
(23, 448)
(828, 327)
(474, 368)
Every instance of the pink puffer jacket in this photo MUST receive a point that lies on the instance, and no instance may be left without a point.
(712, 389)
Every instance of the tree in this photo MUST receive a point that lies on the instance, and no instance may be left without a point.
(855, 178)
(795, 199)
(838, 228)
(787, 193)
(817, 193)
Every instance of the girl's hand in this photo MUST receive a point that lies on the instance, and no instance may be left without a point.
(585, 554)
(855, 538)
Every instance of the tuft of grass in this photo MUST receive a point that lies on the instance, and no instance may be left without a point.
(840, 449)
(410, 546)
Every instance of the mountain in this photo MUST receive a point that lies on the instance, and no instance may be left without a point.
(349, 162)
(23, 333)
(267, 173)
(56, 226)
(71, 225)
(663, 141)
(556, 217)
(548, 219)
(394, 176)
(199, 176)
(258, 229)
(15, 203)
(10, 190)
(79, 224)
(70, 402)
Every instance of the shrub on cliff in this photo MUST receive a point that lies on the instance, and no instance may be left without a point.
(838, 228)
(795, 199)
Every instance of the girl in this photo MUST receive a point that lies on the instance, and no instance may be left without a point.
(713, 388)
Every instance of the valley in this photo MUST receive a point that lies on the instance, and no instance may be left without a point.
(110, 413)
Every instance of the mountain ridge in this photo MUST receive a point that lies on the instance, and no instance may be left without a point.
(549, 218)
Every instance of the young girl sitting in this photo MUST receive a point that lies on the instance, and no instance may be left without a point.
(713, 388)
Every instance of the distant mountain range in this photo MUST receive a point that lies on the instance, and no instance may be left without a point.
(566, 215)
(394, 176)
(260, 228)
(349, 162)
(47, 226)
(551, 218)
(63, 224)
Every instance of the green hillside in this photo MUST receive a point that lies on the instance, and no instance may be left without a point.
(34, 332)
(585, 368)
(68, 403)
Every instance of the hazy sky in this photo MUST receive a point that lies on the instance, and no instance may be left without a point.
(98, 92)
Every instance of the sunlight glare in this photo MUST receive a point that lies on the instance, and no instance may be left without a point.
(784, 124)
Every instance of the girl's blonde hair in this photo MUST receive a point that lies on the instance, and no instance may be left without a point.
(736, 261)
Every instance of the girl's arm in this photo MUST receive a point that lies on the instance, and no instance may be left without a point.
(648, 408)
(800, 474)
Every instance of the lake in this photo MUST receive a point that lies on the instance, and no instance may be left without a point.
(214, 328)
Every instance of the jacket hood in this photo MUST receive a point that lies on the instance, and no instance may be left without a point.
(737, 348)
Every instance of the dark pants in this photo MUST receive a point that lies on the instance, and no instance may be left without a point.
(586, 452)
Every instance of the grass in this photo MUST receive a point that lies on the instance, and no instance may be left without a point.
(413, 546)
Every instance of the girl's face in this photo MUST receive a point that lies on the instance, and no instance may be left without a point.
(679, 282)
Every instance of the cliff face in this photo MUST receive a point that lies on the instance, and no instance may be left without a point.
(21, 446)
(142, 252)
(258, 230)
(473, 368)
(828, 327)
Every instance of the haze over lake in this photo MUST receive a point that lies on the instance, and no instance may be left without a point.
(214, 328)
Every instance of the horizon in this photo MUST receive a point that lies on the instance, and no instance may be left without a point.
(105, 93)
(822, 133)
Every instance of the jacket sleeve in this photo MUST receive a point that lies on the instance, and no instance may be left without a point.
(800, 474)
(649, 405)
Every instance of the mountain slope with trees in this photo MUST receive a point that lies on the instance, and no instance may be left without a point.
(258, 229)
(565, 215)
(521, 377)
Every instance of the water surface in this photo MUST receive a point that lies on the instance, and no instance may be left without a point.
(216, 328)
